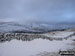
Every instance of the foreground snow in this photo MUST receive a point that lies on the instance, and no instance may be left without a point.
(37, 46)
(19, 48)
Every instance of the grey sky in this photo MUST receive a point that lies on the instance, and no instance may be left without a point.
(37, 10)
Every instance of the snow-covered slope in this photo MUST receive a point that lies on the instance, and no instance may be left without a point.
(59, 34)
(11, 27)
(32, 27)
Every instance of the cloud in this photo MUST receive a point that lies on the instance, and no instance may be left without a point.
(37, 10)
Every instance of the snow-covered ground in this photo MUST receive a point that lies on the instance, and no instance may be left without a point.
(36, 46)
(59, 34)
(19, 48)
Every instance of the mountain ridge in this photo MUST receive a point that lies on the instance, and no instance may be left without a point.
(33, 27)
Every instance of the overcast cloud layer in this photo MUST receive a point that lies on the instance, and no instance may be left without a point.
(37, 10)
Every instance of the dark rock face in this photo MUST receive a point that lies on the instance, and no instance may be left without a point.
(23, 36)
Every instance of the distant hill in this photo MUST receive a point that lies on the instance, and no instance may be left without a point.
(33, 27)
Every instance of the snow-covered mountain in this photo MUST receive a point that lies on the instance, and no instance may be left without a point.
(32, 27)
